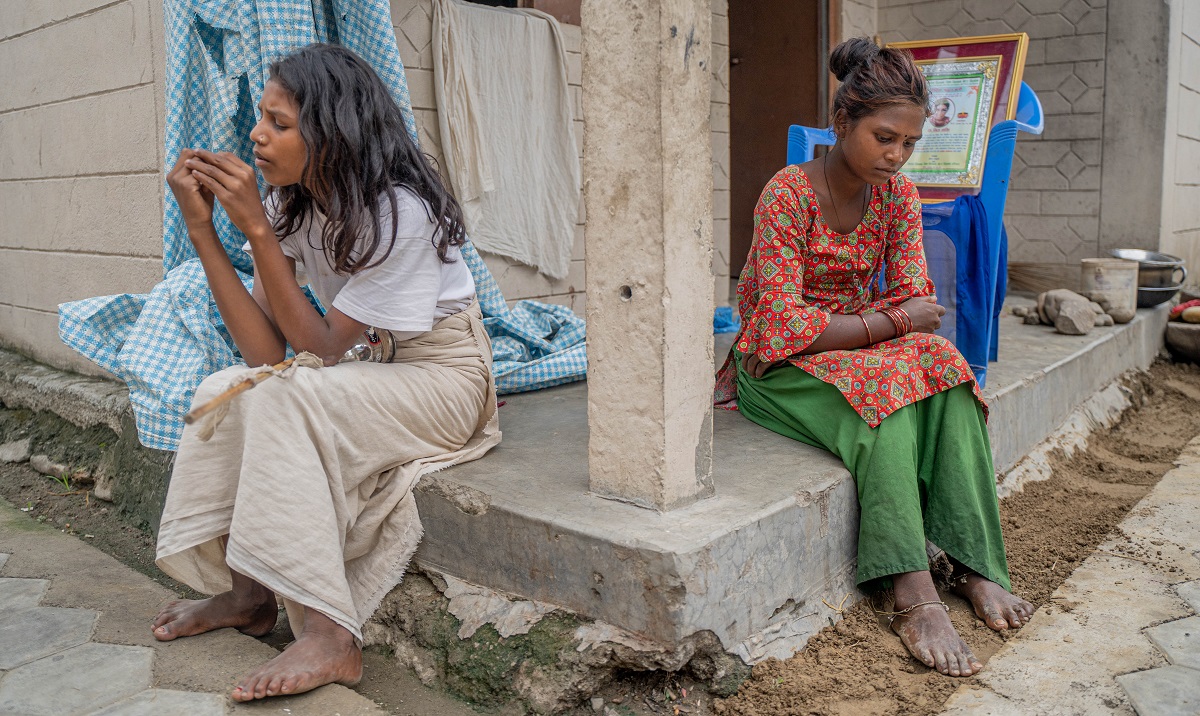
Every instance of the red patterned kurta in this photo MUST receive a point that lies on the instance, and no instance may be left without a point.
(799, 272)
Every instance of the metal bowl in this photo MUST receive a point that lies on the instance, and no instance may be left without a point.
(1155, 269)
(1153, 295)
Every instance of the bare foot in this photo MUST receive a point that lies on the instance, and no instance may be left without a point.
(997, 608)
(325, 653)
(249, 607)
(249, 614)
(926, 631)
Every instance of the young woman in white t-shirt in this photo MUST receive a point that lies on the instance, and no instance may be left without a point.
(304, 491)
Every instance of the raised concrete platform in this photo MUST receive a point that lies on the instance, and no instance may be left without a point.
(751, 564)
(761, 562)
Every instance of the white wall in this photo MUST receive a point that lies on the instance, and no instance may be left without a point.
(80, 151)
(1180, 230)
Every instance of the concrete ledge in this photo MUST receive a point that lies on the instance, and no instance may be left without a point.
(752, 564)
(758, 565)
(780, 534)
(83, 401)
(1043, 376)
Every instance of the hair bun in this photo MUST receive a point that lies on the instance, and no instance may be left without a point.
(850, 55)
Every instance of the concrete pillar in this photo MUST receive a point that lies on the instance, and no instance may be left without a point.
(647, 172)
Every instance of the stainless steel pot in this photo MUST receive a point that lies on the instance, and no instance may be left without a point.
(1155, 270)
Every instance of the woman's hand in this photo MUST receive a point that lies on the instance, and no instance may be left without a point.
(234, 184)
(925, 313)
(195, 201)
(755, 367)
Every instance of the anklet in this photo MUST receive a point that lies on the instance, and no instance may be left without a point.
(891, 616)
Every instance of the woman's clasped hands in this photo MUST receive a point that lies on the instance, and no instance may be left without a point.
(925, 313)
(200, 176)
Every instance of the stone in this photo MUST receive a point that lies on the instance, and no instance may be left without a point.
(1021, 311)
(3, 559)
(1096, 308)
(155, 702)
(1190, 315)
(46, 466)
(18, 595)
(1183, 339)
(1075, 318)
(597, 704)
(1190, 593)
(15, 451)
(1166, 690)
(1048, 303)
(1180, 641)
(1103, 319)
(1032, 319)
(98, 674)
(57, 629)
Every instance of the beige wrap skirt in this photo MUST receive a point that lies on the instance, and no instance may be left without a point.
(306, 486)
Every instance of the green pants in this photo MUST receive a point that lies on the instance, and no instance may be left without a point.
(925, 472)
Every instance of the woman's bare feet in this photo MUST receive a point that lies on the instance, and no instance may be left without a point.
(926, 631)
(993, 604)
(249, 607)
(325, 653)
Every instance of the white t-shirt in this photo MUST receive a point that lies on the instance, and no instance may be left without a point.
(408, 292)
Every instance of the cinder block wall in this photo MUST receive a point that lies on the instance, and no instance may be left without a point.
(859, 19)
(1062, 205)
(1181, 166)
(81, 192)
(80, 152)
(413, 21)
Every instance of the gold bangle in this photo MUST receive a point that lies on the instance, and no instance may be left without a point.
(870, 339)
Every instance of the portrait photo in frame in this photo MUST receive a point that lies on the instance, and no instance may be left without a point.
(974, 83)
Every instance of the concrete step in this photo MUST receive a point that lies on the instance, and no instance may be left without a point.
(762, 563)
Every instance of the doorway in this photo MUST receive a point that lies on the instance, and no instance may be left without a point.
(778, 76)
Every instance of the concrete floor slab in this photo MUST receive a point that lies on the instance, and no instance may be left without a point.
(159, 702)
(20, 594)
(56, 630)
(1190, 593)
(1180, 641)
(751, 564)
(77, 681)
(1166, 691)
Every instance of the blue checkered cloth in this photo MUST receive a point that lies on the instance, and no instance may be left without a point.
(163, 344)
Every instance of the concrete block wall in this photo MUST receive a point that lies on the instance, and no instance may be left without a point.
(80, 154)
(859, 19)
(1181, 156)
(413, 21)
(720, 150)
(1053, 213)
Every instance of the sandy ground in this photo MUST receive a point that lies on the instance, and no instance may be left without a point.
(856, 668)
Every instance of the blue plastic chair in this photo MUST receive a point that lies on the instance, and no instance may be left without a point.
(993, 192)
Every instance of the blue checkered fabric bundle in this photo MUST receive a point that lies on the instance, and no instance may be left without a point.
(163, 344)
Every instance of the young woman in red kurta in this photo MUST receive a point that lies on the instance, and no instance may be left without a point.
(829, 358)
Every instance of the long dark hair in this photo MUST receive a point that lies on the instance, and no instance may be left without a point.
(359, 151)
(875, 77)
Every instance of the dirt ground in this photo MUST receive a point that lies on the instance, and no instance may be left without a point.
(856, 668)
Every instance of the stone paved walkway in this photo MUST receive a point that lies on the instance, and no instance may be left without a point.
(1121, 635)
(75, 639)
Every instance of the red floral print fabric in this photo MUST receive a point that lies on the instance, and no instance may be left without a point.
(800, 272)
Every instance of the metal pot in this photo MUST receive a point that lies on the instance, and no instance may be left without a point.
(1155, 270)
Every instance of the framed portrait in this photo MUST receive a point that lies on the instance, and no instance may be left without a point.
(973, 83)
